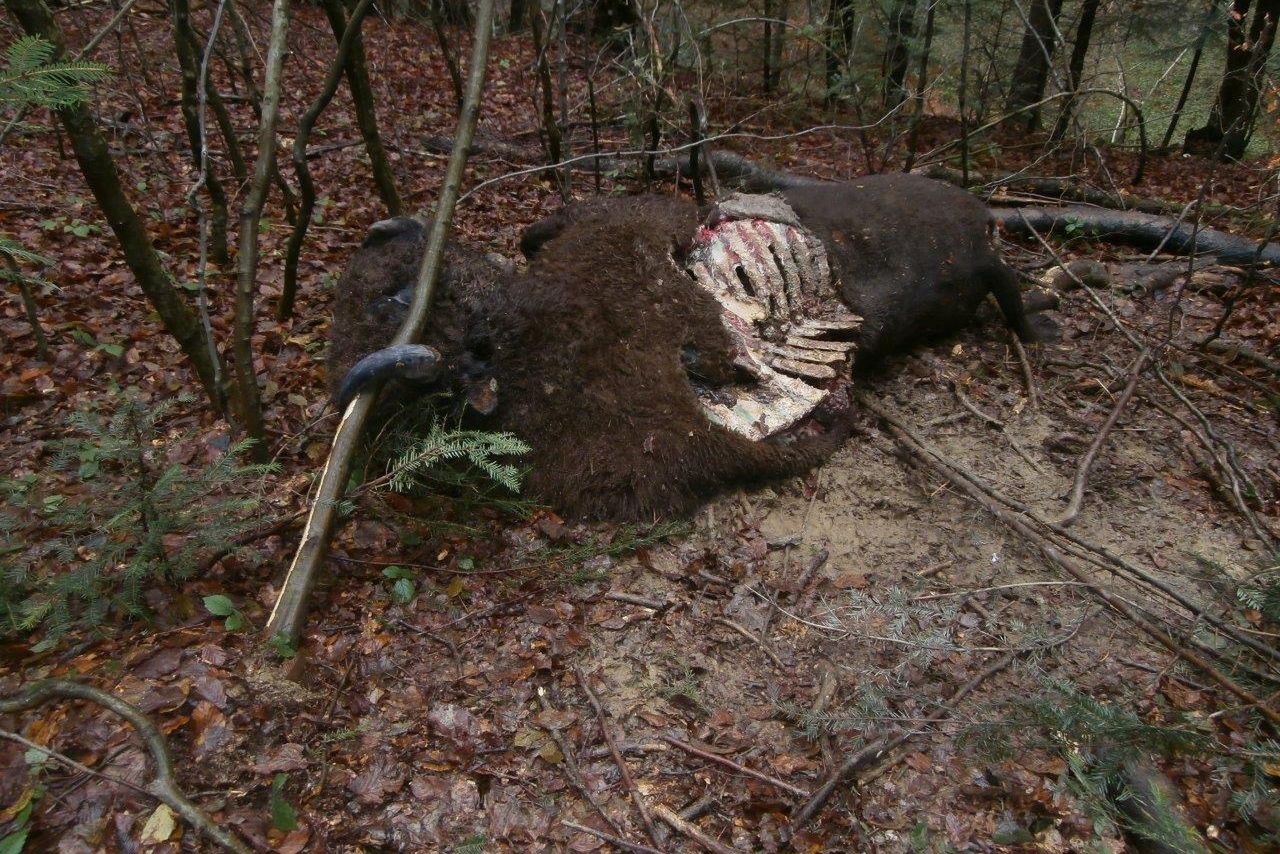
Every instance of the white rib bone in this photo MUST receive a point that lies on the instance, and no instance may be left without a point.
(803, 343)
(803, 369)
(781, 310)
(805, 355)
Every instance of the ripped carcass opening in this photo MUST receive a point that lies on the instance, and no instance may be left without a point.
(791, 332)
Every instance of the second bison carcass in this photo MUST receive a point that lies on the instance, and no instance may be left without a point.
(651, 356)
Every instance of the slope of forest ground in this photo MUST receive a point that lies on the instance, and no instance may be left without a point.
(777, 630)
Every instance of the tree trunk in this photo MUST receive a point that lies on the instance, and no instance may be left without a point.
(1039, 42)
(1138, 229)
(917, 116)
(964, 90)
(766, 54)
(357, 71)
(1075, 67)
(100, 174)
(248, 398)
(897, 55)
(306, 186)
(455, 12)
(189, 65)
(839, 39)
(778, 41)
(516, 19)
(1196, 55)
(450, 63)
(547, 96)
(1226, 133)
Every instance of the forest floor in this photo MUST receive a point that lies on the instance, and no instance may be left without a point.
(779, 630)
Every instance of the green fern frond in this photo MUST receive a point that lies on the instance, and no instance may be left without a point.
(11, 248)
(415, 463)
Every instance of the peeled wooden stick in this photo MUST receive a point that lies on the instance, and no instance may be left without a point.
(692, 831)
(290, 612)
(162, 788)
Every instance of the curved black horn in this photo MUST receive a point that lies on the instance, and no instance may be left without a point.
(404, 361)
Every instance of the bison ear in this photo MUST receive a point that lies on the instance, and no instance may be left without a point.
(482, 395)
(398, 227)
(544, 230)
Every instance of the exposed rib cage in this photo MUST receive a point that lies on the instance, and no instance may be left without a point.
(783, 312)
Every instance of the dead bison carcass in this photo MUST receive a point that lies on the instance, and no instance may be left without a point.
(651, 356)
(588, 357)
(912, 255)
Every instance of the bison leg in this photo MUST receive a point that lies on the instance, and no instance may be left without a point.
(1004, 287)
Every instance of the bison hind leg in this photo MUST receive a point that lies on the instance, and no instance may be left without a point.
(1003, 283)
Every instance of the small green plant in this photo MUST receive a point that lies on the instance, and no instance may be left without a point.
(71, 227)
(282, 646)
(684, 687)
(30, 76)
(92, 343)
(473, 844)
(345, 734)
(1099, 742)
(420, 462)
(222, 606)
(425, 456)
(283, 816)
(18, 814)
(402, 588)
(1262, 592)
(113, 518)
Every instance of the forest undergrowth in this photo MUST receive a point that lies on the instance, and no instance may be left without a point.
(885, 619)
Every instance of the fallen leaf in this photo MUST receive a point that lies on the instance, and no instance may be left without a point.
(160, 827)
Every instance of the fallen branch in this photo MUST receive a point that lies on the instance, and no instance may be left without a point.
(742, 630)
(998, 424)
(1230, 348)
(1057, 188)
(617, 755)
(692, 831)
(162, 788)
(1078, 547)
(290, 611)
(729, 763)
(1028, 378)
(570, 764)
(624, 844)
(879, 746)
(1086, 462)
(1145, 231)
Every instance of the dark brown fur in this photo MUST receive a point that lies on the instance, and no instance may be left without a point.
(913, 256)
(365, 318)
(585, 350)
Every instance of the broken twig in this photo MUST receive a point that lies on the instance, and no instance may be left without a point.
(741, 769)
(163, 788)
(617, 755)
(692, 831)
(1086, 462)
